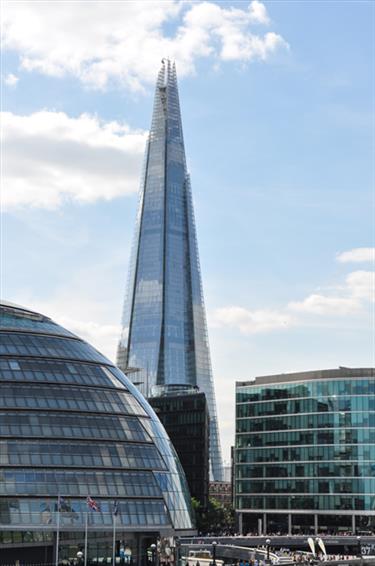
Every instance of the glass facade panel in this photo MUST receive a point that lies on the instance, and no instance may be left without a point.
(186, 420)
(339, 419)
(312, 405)
(306, 442)
(32, 512)
(164, 332)
(80, 454)
(306, 502)
(18, 319)
(55, 425)
(308, 437)
(32, 370)
(29, 482)
(315, 389)
(15, 343)
(73, 425)
(306, 469)
(35, 396)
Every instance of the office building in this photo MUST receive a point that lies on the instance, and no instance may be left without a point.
(164, 335)
(73, 426)
(184, 415)
(305, 452)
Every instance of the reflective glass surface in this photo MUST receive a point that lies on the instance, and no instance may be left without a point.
(80, 454)
(313, 502)
(47, 346)
(21, 369)
(19, 319)
(75, 483)
(57, 425)
(164, 333)
(307, 444)
(33, 512)
(35, 396)
(71, 424)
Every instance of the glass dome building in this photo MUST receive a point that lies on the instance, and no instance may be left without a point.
(73, 426)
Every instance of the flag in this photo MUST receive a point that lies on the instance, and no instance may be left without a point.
(115, 508)
(62, 504)
(92, 504)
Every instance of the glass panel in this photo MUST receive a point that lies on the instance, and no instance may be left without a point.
(71, 398)
(48, 346)
(78, 454)
(23, 369)
(313, 440)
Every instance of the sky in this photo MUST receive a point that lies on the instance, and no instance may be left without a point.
(277, 103)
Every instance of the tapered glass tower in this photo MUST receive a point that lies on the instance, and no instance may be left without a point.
(164, 337)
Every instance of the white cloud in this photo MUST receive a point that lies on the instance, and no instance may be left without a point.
(98, 42)
(10, 79)
(79, 309)
(350, 299)
(50, 158)
(258, 12)
(357, 255)
(250, 322)
(326, 305)
(362, 285)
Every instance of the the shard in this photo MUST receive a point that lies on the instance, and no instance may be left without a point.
(164, 340)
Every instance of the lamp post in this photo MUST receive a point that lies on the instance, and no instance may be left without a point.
(268, 542)
(177, 551)
(359, 548)
(153, 554)
(214, 544)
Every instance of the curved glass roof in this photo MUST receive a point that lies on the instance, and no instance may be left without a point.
(72, 425)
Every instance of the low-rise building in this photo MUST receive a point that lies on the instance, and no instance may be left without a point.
(221, 491)
(305, 452)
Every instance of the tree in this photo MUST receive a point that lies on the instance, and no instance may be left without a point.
(215, 518)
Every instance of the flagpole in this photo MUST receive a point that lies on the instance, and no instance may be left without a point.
(58, 531)
(86, 537)
(114, 540)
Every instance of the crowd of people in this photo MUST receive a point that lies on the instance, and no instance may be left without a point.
(232, 533)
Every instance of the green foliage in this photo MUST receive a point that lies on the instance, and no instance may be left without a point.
(215, 518)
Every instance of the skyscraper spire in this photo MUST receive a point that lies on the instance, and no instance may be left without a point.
(164, 336)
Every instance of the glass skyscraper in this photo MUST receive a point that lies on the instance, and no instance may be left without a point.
(305, 452)
(164, 337)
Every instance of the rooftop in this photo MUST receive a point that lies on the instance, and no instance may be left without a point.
(339, 373)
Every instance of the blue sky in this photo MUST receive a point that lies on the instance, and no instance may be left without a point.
(277, 107)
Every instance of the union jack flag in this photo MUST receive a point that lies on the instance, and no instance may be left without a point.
(92, 504)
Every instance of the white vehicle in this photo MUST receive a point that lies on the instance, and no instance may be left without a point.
(203, 557)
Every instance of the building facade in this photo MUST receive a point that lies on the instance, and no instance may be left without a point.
(305, 452)
(185, 418)
(222, 492)
(164, 334)
(73, 426)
